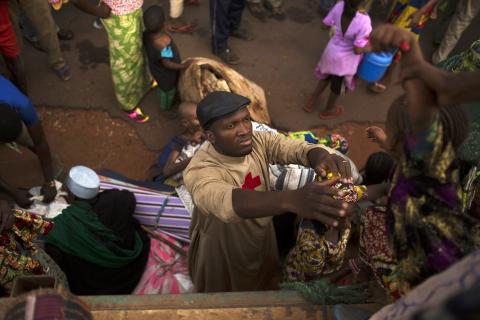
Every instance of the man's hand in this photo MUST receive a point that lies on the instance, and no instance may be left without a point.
(6, 217)
(48, 191)
(315, 201)
(22, 198)
(323, 163)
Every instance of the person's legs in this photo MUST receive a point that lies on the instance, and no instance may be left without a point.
(219, 18)
(275, 6)
(166, 98)
(176, 8)
(312, 100)
(332, 110)
(28, 30)
(235, 11)
(220, 24)
(16, 68)
(257, 9)
(130, 77)
(467, 10)
(10, 50)
(39, 14)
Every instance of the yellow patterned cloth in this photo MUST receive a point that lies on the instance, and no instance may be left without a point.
(313, 255)
(17, 247)
(131, 78)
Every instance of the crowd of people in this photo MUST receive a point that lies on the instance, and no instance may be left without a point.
(409, 220)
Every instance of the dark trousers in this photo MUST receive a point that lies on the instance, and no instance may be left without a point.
(225, 16)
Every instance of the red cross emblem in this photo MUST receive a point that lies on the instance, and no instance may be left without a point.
(250, 182)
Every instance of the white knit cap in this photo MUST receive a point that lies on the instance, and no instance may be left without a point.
(83, 182)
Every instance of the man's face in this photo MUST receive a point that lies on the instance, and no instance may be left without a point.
(232, 135)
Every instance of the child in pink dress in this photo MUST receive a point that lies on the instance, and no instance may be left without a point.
(342, 55)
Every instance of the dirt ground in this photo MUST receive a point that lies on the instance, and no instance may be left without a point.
(84, 124)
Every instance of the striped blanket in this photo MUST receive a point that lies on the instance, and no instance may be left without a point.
(162, 211)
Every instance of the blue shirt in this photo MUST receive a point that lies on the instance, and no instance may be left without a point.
(10, 95)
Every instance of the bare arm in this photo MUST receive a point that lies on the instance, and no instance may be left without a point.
(420, 98)
(314, 201)
(362, 50)
(168, 63)
(421, 101)
(19, 196)
(449, 88)
(171, 167)
(42, 150)
(101, 10)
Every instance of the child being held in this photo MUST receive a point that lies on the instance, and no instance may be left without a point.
(163, 56)
(176, 155)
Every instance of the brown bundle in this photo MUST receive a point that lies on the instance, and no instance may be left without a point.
(205, 75)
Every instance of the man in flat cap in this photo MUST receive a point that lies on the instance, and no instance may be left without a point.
(233, 245)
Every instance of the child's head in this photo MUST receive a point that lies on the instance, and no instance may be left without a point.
(378, 168)
(353, 4)
(154, 19)
(188, 116)
(453, 118)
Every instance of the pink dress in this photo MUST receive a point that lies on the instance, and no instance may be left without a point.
(339, 59)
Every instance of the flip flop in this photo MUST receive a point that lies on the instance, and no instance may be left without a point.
(185, 28)
(377, 87)
(308, 107)
(338, 112)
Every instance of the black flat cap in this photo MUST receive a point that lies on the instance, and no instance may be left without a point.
(218, 104)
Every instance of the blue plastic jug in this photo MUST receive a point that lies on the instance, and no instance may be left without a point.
(374, 65)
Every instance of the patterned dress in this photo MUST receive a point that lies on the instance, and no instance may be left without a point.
(403, 9)
(131, 78)
(423, 231)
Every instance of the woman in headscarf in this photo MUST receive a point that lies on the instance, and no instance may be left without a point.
(96, 241)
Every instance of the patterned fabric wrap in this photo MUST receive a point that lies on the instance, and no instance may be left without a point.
(429, 230)
(131, 78)
(402, 11)
(331, 140)
(376, 248)
(468, 60)
(16, 242)
(335, 141)
(314, 255)
(166, 271)
(435, 291)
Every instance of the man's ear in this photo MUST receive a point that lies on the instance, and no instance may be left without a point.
(210, 136)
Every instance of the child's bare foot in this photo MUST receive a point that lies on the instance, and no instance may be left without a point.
(329, 115)
(377, 87)
(309, 105)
